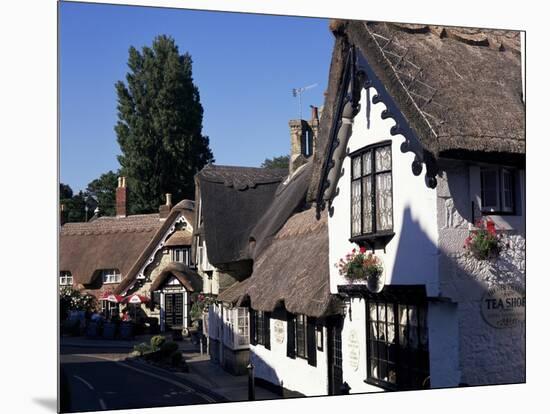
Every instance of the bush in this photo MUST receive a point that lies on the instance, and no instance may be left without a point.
(157, 341)
(168, 348)
(175, 359)
(142, 348)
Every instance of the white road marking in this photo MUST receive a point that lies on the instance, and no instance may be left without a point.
(177, 384)
(86, 383)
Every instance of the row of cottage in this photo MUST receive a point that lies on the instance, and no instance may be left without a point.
(420, 140)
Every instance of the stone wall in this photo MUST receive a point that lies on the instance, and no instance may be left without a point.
(487, 355)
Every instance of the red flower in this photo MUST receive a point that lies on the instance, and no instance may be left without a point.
(353, 251)
(363, 249)
(491, 227)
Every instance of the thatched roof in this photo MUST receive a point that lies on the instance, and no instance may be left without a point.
(190, 279)
(459, 89)
(289, 198)
(293, 270)
(179, 238)
(105, 243)
(185, 208)
(233, 199)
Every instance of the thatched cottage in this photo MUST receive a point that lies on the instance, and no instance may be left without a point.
(421, 154)
(421, 140)
(147, 254)
(230, 201)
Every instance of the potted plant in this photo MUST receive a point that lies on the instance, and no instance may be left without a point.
(483, 243)
(360, 265)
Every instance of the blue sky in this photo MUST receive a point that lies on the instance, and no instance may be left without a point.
(244, 65)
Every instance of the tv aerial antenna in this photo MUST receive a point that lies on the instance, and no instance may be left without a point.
(297, 92)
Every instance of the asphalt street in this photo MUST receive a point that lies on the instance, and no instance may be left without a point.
(100, 379)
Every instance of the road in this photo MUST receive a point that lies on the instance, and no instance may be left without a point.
(100, 379)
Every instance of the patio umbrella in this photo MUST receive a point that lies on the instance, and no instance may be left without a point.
(135, 300)
(110, 297)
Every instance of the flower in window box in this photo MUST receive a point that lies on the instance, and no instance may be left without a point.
(360, 265)
(484, 243)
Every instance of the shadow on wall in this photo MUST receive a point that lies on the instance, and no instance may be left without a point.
(487, 354)
(416, 255)
(266, 377)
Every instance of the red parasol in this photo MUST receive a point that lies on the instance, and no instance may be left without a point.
(110, 297)
(136, 299)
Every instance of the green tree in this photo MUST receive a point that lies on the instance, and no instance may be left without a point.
(276, 162)
(159, 126)
(103, 189)
(74, 204)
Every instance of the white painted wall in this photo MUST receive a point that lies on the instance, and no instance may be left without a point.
(294, 374)
(488, 355)
(411, 256)
(443, 346)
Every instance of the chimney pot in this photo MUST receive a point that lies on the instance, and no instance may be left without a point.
(121, 193)
(164, 210)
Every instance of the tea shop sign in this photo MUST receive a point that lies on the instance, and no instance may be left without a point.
(504, 306)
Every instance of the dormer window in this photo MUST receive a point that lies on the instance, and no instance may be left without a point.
(180, 255)
(65, 278)
(372, 195)
(110, 276)
(497, 190)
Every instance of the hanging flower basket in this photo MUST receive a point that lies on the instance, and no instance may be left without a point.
(360, 265)
(484, 243)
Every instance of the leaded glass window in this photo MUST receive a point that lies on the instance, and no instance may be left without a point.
(371, 191)
(397, 345)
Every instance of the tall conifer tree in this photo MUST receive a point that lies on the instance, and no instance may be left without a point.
(160, 126)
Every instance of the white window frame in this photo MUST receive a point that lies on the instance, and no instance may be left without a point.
(242, 322)
(65, 278)
(184, 251)
(499, 208)
(110, 276)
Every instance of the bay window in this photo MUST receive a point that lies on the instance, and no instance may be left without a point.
(397, 344)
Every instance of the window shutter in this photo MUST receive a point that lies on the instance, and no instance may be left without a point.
(290, 336)
(252, 327)
(267, 330)
(311, 343)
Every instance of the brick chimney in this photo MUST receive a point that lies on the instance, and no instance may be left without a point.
(121, 193)
(165, 209)
(62, 215)
(303, 139)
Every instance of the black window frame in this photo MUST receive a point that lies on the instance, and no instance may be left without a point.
(411, 366)
(302, 337)
(260, 333)
(301, 328)
(375, 239)
(500, 210)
